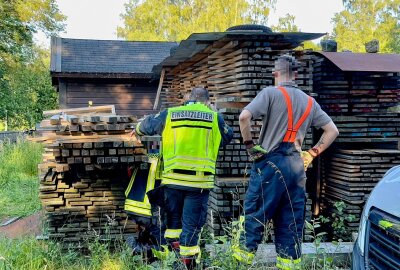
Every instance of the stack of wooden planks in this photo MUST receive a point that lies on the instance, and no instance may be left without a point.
(351, 93)
(85, 171)
(235, 69)
(369, 136)
(350, 176)
(232, 159)
(225, 203)
(371, 127)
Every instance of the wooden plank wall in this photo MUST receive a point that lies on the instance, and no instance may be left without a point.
(129, 98)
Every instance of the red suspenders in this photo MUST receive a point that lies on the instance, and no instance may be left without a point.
(291, 132)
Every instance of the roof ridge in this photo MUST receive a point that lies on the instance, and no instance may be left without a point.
(115, 40)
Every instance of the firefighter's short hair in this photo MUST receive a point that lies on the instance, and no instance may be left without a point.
(199, 94)
(286, 63)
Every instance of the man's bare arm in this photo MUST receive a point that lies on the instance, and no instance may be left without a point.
(245, 125)
(327, 138)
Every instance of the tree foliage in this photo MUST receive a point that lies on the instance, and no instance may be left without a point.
(26, 91)
(174, 20)
(25, 84)
(20, 19)
(364, 20)
(287, 24)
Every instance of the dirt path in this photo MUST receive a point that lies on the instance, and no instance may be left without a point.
(30, 225)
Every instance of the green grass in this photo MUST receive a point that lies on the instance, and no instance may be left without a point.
(19, 184)
(28, 253)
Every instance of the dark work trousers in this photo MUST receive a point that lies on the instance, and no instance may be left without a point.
(186, 209)
(277, 191)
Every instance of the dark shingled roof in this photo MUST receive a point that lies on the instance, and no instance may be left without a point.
(197, 42)
(133, 58)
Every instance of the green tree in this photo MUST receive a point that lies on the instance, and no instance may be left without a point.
(364, 20)
(20, 19)
(259, 10)
(27, 91)
(287, 24)
(15, 36)
(174, 20)
(25, 85)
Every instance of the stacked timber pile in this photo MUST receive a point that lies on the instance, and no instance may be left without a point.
(371, 127)
(225, 204)
(368, 143)
(85, 171)
(234, 73)
(350, 176)
(233, 158)
(351, 93)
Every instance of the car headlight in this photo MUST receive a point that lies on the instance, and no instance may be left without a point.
(361, 233)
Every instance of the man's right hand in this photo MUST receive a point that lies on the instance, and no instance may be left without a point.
(256, 152)
(307, 159)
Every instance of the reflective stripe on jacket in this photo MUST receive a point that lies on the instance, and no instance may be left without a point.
(141, 182)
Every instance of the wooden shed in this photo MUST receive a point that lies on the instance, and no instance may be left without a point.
(103, 72)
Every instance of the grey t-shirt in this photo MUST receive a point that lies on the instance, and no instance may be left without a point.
(270, 106)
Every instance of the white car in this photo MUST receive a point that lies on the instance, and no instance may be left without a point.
(378, 242)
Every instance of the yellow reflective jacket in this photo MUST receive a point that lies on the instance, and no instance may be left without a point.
(191, 139)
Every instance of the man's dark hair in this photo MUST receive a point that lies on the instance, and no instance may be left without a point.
(286, 64)
(199, 94)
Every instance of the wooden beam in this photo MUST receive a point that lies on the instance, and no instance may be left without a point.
(95, 109)
(160, 84)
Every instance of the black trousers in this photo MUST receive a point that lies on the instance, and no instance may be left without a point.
(186, 210)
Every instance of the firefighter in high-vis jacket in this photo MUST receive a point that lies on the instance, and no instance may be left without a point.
(150, 242)
(191, 136)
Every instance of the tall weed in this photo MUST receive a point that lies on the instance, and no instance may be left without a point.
(28, 253)
(19, 185)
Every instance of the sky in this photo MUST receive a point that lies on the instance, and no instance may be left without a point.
(98, 19)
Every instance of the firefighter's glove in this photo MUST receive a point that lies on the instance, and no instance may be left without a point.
(256, 152)
(307, 159)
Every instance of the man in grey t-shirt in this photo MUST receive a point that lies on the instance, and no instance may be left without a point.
(277, 182)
